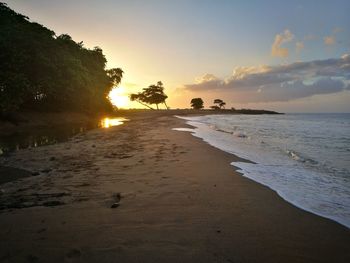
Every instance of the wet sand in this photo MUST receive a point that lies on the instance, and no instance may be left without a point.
(176, 199)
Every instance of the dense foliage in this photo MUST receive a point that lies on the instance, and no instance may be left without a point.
(42, 71)
(154, 94)
(197, 103)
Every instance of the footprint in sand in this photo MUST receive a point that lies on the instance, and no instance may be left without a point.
(116, 198)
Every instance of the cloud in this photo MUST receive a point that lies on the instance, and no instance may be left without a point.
(282, 82)
(276, 49)
(329, 40)
(207, 78)
(299, 46)
(211, 82)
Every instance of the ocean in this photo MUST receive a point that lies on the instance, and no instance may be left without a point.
(305, 158)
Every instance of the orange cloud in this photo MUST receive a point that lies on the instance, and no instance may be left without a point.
(281, 82)
(329, 40)
(276, 49)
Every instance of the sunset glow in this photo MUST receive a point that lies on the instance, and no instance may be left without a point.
(167, 131)
(119, 98)
(236, 55)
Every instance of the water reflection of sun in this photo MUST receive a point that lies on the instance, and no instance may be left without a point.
(118, 97)
(109, 122)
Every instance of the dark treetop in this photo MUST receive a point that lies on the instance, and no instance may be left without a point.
(45, 72)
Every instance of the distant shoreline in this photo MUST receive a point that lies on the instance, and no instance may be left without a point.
(32, 119)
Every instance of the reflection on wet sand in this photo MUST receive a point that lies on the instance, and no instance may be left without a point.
(109, 122)
(60, 133)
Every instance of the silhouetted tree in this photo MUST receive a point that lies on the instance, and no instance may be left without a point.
(140, 99)
(197, 103)
(115, 75)
(154, 94)
(220, 102)
(42, 71)
(214, 107)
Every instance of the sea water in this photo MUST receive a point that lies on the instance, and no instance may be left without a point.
(305, 158)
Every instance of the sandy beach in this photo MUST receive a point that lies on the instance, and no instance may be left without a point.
(142, 192)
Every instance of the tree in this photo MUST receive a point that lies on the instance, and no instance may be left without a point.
(115, 75)
(214, 107)
(197, 103)
(154, 94)
(42, 71)
(220, 102)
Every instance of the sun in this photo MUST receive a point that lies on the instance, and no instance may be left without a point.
(118, 97)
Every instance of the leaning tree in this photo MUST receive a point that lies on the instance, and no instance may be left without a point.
(154, 94)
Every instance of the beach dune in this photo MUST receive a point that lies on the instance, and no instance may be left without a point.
(142, 192)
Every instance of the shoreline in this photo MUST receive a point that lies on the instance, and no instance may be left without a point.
(241, 166)
(31, 129)
(32, 119)
(181, 200)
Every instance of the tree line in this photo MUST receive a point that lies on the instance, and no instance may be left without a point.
(154, 94)
(219, 104)
(42, 71)
(198, 103)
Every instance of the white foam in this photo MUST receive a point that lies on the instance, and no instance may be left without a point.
(297, 181)
(184, 129)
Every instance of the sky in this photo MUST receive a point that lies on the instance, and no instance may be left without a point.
(289, 56)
